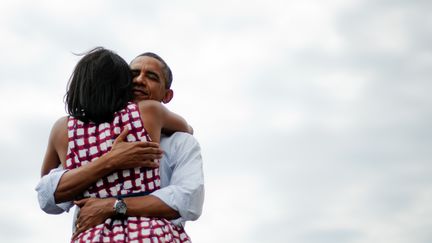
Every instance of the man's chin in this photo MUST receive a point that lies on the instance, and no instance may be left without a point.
(140, 97)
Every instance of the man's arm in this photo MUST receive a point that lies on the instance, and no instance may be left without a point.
(45, 190)
(180, 199)
(94, 211)
(182, 181)
(123, 155)
(65, 185)
(182, 193)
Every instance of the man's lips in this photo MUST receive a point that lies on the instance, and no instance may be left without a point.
(139, 92)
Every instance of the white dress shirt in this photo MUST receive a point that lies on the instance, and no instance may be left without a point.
(181, 173)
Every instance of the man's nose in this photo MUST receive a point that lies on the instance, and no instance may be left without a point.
(140, 79)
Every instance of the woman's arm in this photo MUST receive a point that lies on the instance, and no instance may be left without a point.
(57, 146)
(156, 117)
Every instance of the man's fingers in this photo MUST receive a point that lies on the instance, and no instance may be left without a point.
(122, 136)
(150, 164)
(143, 155)
(148, 144)
(146, 153)
(150, 149)
(81, 202)
(77, 232)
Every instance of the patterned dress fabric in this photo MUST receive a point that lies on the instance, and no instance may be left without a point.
(89, 141)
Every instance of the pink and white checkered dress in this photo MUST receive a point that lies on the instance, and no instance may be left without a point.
(87, 142)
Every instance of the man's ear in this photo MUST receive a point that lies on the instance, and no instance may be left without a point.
(169, 94)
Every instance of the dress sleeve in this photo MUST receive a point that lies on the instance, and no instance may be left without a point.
(45, 190)
(185, 191)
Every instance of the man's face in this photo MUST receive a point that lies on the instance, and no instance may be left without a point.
(148, 79)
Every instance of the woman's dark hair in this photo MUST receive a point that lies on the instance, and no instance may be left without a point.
(100, 85)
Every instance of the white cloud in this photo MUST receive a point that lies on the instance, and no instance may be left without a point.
(314, 116)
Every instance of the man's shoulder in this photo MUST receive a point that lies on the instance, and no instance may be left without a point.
(177, 139)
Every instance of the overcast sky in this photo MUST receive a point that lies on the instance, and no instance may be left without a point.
(314, 116)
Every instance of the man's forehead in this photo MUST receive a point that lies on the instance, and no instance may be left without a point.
(146, 62)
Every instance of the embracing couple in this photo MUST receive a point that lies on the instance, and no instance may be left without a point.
(131, 166)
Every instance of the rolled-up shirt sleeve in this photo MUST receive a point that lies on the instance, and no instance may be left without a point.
(45, 190)
(184, 192)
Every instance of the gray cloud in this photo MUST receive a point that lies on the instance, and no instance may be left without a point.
(317, 118)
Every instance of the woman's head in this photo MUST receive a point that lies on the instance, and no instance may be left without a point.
(100, 85)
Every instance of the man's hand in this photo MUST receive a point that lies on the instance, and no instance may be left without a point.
(93, 211)
(127, 155)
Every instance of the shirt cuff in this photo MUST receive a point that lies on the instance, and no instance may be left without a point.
(46, 189)
(166, 195)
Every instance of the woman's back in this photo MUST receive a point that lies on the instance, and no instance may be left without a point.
(89, 141)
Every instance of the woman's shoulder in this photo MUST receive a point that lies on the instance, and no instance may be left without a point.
(59, 130)
(61, 123)
(151, 107)
(149, 104)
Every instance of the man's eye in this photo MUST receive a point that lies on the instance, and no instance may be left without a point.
(152, 77)
(134, 73)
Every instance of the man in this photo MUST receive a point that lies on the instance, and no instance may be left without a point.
(181, 196)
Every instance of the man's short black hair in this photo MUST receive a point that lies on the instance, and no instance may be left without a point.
(166, 69)
(100, 85)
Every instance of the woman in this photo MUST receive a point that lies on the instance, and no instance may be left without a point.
(99, 107)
